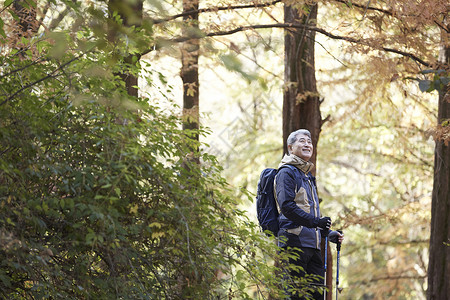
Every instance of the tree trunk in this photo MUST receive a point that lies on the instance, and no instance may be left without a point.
(190, 118)
(439, 261)
(301, 101)
(189, 69)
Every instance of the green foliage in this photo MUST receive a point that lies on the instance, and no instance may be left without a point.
(438, 82)
(233, 63)
(98, 195)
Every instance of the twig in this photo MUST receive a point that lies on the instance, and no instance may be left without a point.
(38, 60)
(50, 75)
(367, 7)
(213, 9)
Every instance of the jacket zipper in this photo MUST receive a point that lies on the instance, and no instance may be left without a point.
(315, 211)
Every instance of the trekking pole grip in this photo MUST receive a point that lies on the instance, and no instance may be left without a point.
(338, 244)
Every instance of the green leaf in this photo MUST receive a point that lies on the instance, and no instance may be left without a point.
(91, 238)
(60, 44)
(32, 3)
(232, 63)
(2, 31)
(424, 85)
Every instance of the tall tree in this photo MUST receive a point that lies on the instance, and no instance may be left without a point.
(439, 259)
(301, 99)
(301, 102)
(189, 68)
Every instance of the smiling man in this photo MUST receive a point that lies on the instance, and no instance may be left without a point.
(301, 225)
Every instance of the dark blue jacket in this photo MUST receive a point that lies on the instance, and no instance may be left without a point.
(297, 198)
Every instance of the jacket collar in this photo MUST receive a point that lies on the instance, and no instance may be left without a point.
(303, 165)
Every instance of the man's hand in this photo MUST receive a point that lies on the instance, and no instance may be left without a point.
(336, 236)
(324, 223)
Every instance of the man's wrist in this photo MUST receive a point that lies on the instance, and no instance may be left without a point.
(316, 222)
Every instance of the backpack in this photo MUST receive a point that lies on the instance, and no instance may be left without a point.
(266, 205)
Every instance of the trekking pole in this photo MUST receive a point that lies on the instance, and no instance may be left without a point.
(338, 247)
(325, 269)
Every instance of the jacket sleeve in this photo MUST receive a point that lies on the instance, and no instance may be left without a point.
(285, 191)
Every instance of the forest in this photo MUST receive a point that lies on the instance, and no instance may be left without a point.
(133, 134)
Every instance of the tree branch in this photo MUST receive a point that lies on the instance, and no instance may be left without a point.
(55, 22)
(390, 242)
(384, 11)
(36, 61)
(393, 277)
(312, 28)
(44, 13)
(289, 26)
(50, 75)
(366, 7)
(214, 9)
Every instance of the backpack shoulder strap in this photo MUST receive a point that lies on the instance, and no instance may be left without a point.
(293, 168)
(302, 175)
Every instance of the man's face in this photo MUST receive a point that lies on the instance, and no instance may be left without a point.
(303, 147)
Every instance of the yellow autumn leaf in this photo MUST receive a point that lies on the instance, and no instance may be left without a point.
(155, 224)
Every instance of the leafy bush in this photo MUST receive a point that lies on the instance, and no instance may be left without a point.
(99, 195)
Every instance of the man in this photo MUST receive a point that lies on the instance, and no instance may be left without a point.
(301, 226)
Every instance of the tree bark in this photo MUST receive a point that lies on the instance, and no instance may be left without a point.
(301, 101)
(189, 69)
(439, 260)
(190, 115)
